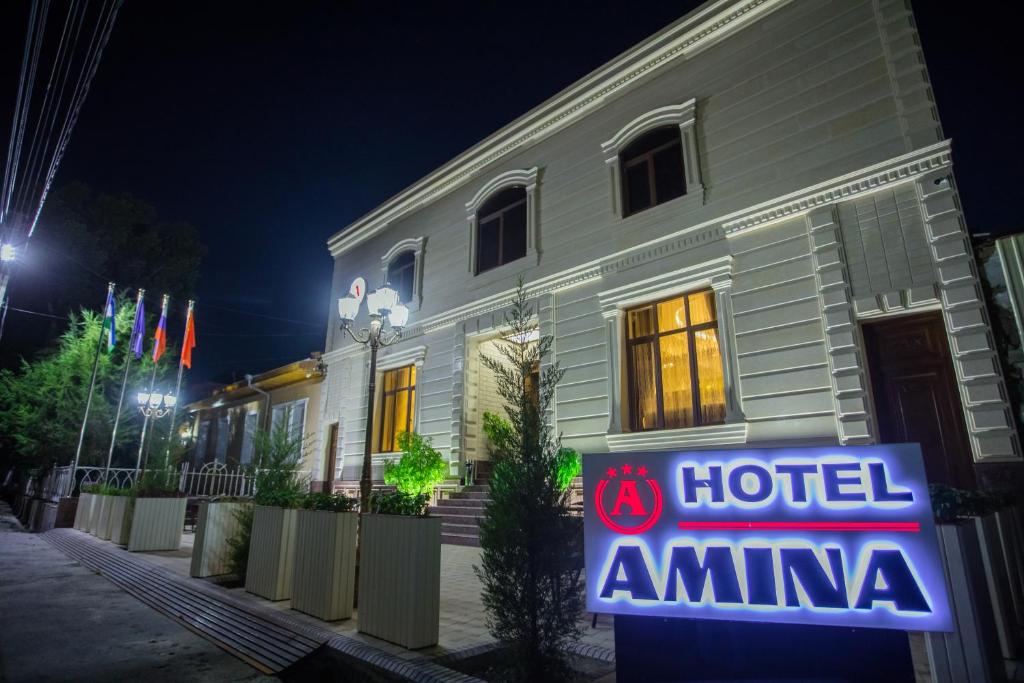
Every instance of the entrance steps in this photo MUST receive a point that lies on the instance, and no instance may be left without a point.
(460, 513)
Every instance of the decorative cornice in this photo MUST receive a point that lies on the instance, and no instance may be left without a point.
(678, 114)
(412, 244)
(526, 177)
(900, 169)
(693, 32)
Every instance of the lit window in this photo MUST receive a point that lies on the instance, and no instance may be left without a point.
(501, 229)
(652, 170)
(675, 363)
(293, 416)
(397, 406)
(401, 272)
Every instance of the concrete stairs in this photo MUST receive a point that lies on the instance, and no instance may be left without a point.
(460, 513)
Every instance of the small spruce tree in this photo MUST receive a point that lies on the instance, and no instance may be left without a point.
(532, 545)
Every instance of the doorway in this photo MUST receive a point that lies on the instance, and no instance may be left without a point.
(916, 395)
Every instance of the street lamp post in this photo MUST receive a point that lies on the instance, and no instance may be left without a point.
(153, 405)
(387, 318)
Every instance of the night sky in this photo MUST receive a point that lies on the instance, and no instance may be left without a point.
(270, 126)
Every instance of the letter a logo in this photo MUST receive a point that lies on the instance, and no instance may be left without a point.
(619, 495)
(630, 497)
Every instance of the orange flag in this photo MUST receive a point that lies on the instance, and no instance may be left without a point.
(190, 340)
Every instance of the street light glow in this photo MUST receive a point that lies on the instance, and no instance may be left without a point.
(7, 252)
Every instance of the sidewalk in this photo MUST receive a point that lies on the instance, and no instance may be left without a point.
(62, 622)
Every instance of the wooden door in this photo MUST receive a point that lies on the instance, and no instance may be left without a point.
(332, 458)
(916, 395)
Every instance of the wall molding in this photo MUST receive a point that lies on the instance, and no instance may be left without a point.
(674, 439)
(696, 31)
(901, 169)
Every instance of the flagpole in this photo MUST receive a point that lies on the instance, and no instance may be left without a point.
(124, 386)
(181, 370)
(88, 401)
(152, 385)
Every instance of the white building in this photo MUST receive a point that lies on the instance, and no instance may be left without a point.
(780, 166)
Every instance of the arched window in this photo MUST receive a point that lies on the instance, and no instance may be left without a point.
(652, 169)
(401, 274)
(501, 229)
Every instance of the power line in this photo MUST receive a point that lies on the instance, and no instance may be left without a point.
(264, 315)
(45, 315)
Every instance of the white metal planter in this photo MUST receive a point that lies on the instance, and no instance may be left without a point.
(970, 654)
(157, 524)
(117, 531)
(325, 563)
(95, 507)
(83, 510)
(217, 523)
(102, 518)
(271, 553)
(400, 579)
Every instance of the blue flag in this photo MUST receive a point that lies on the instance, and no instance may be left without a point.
(138, 330)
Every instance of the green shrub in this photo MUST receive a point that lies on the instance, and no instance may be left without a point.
(499, 434)
(91, 488)
(275, 461)
(951, 504)
(569, 465)
(420, 469)
(331, 502)
(238, 545)
(399, 503)
(111, 490)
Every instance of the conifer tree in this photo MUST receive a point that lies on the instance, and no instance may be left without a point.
(532, 546)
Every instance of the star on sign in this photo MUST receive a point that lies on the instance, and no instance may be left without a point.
(627, 469)
(642, 471)
(611, 472)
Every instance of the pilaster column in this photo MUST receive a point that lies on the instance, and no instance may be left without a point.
(722, 286)
(613, 319)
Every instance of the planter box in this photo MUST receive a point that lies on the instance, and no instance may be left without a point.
(400, 579)
(157, 524)
(216, 524)
(271, 553)
(83, 511)
(325, 563)
(102, 527)
(117, 524)
(971, 653)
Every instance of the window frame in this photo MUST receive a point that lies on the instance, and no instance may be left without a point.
(416, 246)
(528, 179)
(410, 413)
(288, 413)
(500, 215)
(682, 115)
(655, 340)
(647, 158)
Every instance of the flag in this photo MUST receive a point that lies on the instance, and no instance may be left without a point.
(190, 340)
(109, 328)
(160, 337)
(138, 330)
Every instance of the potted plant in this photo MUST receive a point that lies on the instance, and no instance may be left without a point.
(218, 522)
(400, 559)
(972, 651)
(113, 506)
(156, 514)
(325, 556)
(83, 515)
(268, 570)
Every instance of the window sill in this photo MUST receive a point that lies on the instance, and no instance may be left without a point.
(693, 198)
(672, 439)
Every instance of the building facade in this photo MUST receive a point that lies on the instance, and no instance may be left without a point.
(744, 231)
(223, 426)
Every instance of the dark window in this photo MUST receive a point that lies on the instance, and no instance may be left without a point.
(398, 401)
(675, 363)
(401, 271)
(652, 170)
(501, 229)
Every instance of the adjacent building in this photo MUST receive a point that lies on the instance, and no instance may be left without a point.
(744, 231)
(223, 426)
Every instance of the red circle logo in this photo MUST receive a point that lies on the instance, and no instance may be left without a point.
(627, 500)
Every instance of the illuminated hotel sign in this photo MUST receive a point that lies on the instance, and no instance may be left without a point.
(832, 536)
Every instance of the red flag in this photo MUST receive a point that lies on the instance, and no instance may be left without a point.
(160, 337)
(190, 341)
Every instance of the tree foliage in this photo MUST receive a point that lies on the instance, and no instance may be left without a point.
(420, 469)
(42, 402)
(531, 545)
